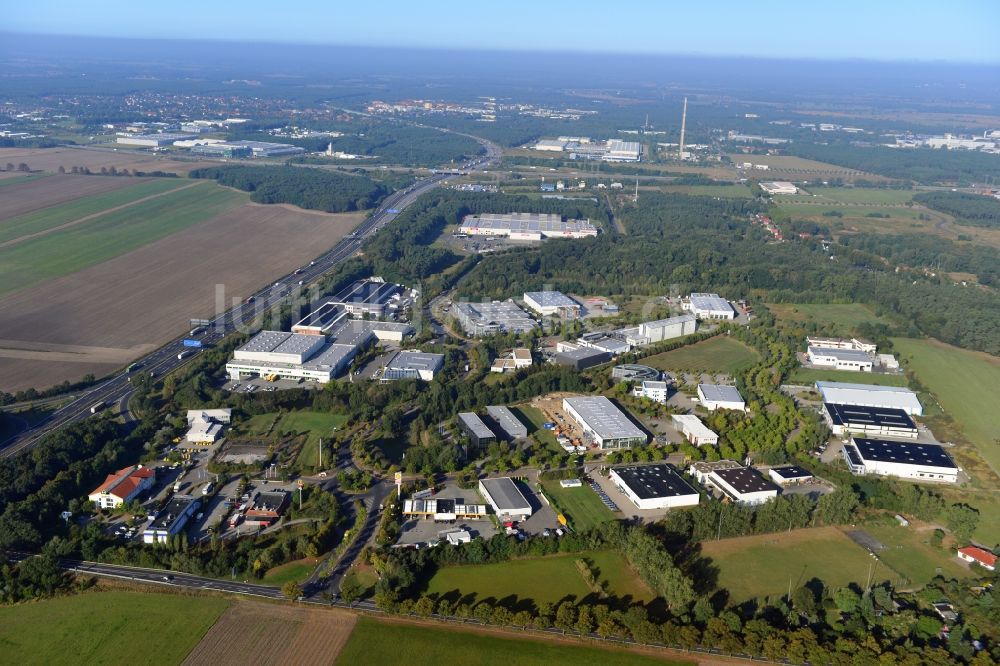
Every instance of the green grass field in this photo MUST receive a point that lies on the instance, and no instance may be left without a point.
(53, 216)
(763, 565)
(99, 627)
(909, 552)
(854, 195)
(843, 318)
(723, 191)
(540, 579)
(298, 570)
(964, 382)
(316, 426)
(810, 375)
(721, 354)
(107, 236)
(581, 506)
(533, 418)
(383, 643)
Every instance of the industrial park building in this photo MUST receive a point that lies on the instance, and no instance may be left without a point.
(779, 187)
(718, 396)
(582, 358)
(412, 364)
(841, 343)
(493, 317)
(291, 356)
(151, 140)
(472, 426)
(904, 460)
(622, 151)
(870, 395)
(651, 487)
(841, 359)
(602, 342)
(507, 500)
(515, 359)
(709, 306)
(876, 421)
(635, 372)
(789, 475)
(222, 149)
(123, 486)
(608, 426)
(526, 226)
(651, 332)
(549, 303)
(171, 519)
(743, 485)
(694, 430)
(506, 422)
(657, 391)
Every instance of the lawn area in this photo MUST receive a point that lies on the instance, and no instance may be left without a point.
(761, 565)
(298, 570)
(53, 216)
(110, 235)
(909, 552)
(964, 382)
(316, 426)
(854, 195)
(810, 375)
(93, 627)
(581, 506)
(724, 191)
(382, 643)
(720, 354)
(843, 318)
(533, 418)
(539, 579)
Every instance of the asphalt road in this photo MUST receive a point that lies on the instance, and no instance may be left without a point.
(117, 390)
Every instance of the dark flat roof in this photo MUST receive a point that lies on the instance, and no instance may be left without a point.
(649, 481)
(323, 316)
(745, 480)
(506, 494)
(885, 417)
(365, 291)
(885, 450)
(792, 472)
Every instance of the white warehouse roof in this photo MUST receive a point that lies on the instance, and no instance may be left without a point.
(870, 395)
(606, 420)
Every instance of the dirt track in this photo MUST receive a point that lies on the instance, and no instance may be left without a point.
(21, 198)
(145, 297)
(255, 633)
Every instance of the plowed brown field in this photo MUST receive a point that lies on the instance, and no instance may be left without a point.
(256, 633)
(50, 159)
(102, 317)
(20, 198)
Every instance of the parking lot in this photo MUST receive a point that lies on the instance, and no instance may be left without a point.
(257, 384)
(424, 530)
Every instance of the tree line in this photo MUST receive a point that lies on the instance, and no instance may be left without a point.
(973, 209)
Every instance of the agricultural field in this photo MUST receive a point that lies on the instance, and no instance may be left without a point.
(811, 375)
(762, 565)
(258, 633)
(581, 506)
(50, 159)
(964, 383)
(841, 318)
(858, 196)
(381, 643)
(63, 630)
(723, 191)
(88, 285)
(909, 552)
(720, 354)
(538, 579)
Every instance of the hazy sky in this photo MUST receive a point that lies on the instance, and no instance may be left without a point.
(958, 30)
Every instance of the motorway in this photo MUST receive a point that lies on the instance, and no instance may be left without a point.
(117, 389)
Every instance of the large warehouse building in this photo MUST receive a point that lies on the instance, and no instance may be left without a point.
(720, 396)
(651, 332)
(507, 500)
(608, 426)
(506, 422)
(873, 421)
(151, 140)
(412, 364)
(841, 359)
(526, 226)
(582, 358)
(479, 433)
(651, 487)
(709, 306)
(493, 318)
(869, 395)
(550, 303)
(904, 460)
(743, 485)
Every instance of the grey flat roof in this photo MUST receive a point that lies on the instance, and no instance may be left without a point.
(174, 508)
(720, 393)
(669, 321)
(324, 315)
(601, 416)
(266, 341)
(507, 421)
(820, 385)
(367, 292)
(331, 356)
(704, 301)
(416, 360)
(472, 421)
(583, 352)
(649, 481)
(843, 354)
(505, 493)
(633, 371)
(551, 299)
(908, 453)
(295, 343)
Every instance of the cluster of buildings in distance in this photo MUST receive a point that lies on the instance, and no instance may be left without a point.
(525, 226)
(582, 148)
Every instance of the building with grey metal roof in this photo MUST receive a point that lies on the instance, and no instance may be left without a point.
(548, 303)
(491, 318)
(475, 429)
(412, 364)
(526, 226)
(709, 306)
(506, 422)
(507, 500)
(600, 420)
(870, 395)
(720, 396)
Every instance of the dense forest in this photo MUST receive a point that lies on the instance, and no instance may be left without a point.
(329, 191)
(682, 243)
(934, 252)
(973, 209)
(923, 165)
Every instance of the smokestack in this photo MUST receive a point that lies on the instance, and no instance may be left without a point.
(684, 117)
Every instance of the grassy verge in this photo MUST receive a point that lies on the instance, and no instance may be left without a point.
(721, 354)
(298, 570)
(581, 506)
(810, 375)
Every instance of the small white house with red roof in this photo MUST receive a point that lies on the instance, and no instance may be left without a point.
(980, 556)
(123, 486)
